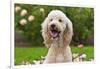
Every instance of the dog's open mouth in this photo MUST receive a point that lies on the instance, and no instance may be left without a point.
(54, 33)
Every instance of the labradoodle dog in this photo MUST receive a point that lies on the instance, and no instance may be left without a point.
(57, 32)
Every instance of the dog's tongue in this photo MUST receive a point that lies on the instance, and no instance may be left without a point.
(54, 34)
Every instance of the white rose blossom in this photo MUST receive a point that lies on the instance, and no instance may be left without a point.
(23, 22)
(31, 18)
(23, 12)
(17, 8)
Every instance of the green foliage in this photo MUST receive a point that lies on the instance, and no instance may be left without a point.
(83, 23)
(82, 19)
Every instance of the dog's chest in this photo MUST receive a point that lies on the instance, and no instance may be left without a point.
(60, 58)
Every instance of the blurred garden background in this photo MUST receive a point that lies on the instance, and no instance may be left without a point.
(28, 39)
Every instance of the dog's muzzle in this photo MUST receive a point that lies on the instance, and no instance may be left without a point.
(54, 32)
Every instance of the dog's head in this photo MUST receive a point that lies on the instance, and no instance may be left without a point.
(57, 25)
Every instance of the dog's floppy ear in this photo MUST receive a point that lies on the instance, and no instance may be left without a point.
(45, 33)
(68, 33)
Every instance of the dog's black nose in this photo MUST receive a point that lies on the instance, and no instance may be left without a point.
(53, 25)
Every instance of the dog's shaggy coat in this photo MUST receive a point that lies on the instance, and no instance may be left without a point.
(57, 33)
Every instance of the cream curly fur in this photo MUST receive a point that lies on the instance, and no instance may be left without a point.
(57, 42)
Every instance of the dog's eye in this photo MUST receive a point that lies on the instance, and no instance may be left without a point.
(51, 19)
(60, 20)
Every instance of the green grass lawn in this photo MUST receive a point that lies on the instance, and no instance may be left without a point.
(35, 53)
